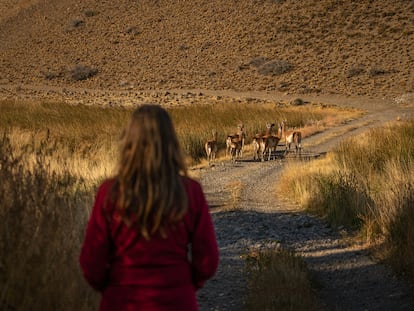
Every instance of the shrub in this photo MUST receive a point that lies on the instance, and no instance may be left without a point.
(274, 68)
(279, 280)
(297, 102)
(49, 75)
(77, 23)
(375, 71)
(133, 30)
(345, 199)
(90, 13)
(43, 219)
(258, 61)
(354, 71)
(81, 72)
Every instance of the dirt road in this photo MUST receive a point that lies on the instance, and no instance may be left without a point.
(260, 219)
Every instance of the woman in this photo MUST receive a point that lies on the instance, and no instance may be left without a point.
(150, 242)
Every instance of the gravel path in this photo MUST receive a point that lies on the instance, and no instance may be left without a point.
(350, 279)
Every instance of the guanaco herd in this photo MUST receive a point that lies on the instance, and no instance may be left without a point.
(264, 145)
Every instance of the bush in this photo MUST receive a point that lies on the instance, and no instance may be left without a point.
(376, 71)
(279, 280)
(133, 30)
(43, 219)
(77, 23)
(81, 72)
(90, 13)
(274, 68)
(354, 71)
(345, 199)
(258, 61)
(297, 102)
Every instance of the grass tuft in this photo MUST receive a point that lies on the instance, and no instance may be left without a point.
(279, 280)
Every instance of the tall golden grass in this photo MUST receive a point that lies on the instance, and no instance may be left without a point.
(91, 132)
(52, 157)
(43, 218)
(366, 184)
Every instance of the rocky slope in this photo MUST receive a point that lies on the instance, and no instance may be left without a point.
(301, 47)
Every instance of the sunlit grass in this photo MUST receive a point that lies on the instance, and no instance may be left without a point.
(53, 155)
(367, 184)
(43, 216)
(85, 131)
(234, 189)
(91, 161)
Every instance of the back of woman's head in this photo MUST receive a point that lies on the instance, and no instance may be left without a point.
(149, 190)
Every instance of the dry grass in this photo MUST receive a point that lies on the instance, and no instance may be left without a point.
(52, 158)
(366, 184)
(279, 280)
(91, 161)
(81, 139)
(234, 189)
(43, 219)
(224, 118)
(91, 132)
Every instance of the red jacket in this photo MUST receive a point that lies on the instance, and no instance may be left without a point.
(160, 274)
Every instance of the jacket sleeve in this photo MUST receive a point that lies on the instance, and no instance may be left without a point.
(204, 249)
(94, 256)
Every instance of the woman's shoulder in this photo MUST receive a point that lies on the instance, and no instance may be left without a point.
(191, 183)
(107, 183)
(195, 192)
(105, 186)
(103, 195)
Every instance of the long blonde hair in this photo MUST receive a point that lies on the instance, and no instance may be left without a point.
(148, 188)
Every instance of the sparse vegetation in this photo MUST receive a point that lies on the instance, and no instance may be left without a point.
(354, 71)
(297, 102)
(296, 45)
(274, 68)
(90, 13)
(376, 71)
(77, 22)
(279, 280)
(235, 189)
(50, 75)
(82, 72)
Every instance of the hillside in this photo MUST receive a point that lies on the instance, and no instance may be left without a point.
(350, 53)
(296, 47)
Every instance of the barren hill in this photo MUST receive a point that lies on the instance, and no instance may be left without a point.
(333, 49)
(301, 47)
